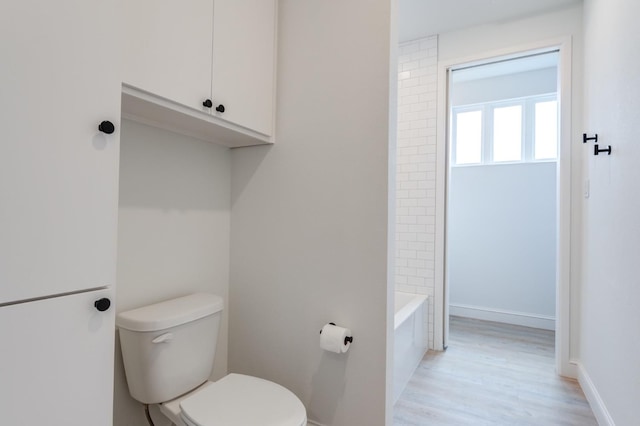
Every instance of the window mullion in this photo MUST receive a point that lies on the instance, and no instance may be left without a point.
(487, 134)
(529, 126)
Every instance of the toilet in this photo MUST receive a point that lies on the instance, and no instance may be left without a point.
(168, 350)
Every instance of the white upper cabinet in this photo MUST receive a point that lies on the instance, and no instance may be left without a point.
(60, 79)
(211, 56)
(243, 62)
(168, 48)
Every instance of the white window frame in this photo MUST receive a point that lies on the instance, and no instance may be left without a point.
(527, 140)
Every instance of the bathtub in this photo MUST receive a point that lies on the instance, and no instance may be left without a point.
(410, 338)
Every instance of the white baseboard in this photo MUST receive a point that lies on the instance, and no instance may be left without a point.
(570, 369)
(597, 404)
(507, 317)
(312, 423)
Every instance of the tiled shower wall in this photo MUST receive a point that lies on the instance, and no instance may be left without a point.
(416, 169)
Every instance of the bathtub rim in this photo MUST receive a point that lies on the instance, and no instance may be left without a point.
(407, 309)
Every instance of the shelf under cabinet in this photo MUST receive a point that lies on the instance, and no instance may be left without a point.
(147, 108)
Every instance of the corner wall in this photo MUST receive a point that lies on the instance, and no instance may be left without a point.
(309, 215)
(173, 234)
(609, 333)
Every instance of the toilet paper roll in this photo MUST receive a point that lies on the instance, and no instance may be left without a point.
(332, 338)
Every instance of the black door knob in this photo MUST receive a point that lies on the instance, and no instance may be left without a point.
(220, 108)
(207, 103)
(106, 127)
(102, 304)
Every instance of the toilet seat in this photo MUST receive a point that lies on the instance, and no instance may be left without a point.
(239, 400)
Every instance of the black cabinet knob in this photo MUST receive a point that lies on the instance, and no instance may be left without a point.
(220, 108)
(102, 304)
(207, 103)
(106, 127)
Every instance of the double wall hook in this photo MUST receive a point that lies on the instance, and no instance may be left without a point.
(596, 147)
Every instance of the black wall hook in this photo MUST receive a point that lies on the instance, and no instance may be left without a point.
(597, 150)
(585, 139)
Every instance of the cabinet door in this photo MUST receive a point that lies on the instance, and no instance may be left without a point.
(168, 48)
(59, 79)
(56, 362)
(244, 37)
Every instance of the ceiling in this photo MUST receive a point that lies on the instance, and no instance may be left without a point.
(421, 18)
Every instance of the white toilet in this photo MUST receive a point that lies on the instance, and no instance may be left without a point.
(168, 351)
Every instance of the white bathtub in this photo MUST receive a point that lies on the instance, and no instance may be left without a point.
(410, 338)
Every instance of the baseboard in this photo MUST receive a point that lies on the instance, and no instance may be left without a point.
(312, 423)
(569, 369)
(597, 404)
(507, 317)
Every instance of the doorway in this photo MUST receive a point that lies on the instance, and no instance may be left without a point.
(488, 140)
(501, 192)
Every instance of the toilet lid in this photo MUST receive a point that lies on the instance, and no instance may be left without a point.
(244, 401)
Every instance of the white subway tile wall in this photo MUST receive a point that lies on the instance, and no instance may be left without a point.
(416, 169)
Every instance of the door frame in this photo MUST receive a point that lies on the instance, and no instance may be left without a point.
(563, 361)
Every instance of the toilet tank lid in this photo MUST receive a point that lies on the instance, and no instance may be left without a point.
(170, 313)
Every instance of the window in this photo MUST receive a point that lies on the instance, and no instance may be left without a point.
(514, 130)
(469, 137)
(546, 130)
(507, 133)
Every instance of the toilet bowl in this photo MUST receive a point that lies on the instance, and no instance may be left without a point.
(168, 350)
(237, 399)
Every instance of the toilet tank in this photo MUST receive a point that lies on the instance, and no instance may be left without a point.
(168, 347)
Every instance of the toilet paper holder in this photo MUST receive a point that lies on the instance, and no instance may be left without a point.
(348, 339)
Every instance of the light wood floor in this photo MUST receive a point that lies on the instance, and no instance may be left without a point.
(492, 374)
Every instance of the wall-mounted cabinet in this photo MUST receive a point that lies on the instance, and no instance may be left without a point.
(183, 54)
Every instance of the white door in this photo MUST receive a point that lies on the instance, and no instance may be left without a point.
(244, 34)
(59, 79)
(56, 362)
(168, 47)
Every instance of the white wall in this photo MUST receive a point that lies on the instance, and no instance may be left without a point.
(459, 46)
(502, 242)
(309, 215)
(416, 170)
(609, 333)
(173, 233)
(528, 83)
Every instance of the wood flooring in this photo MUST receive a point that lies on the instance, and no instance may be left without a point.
(492, 374)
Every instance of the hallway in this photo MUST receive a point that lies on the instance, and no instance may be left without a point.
(492, 374)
